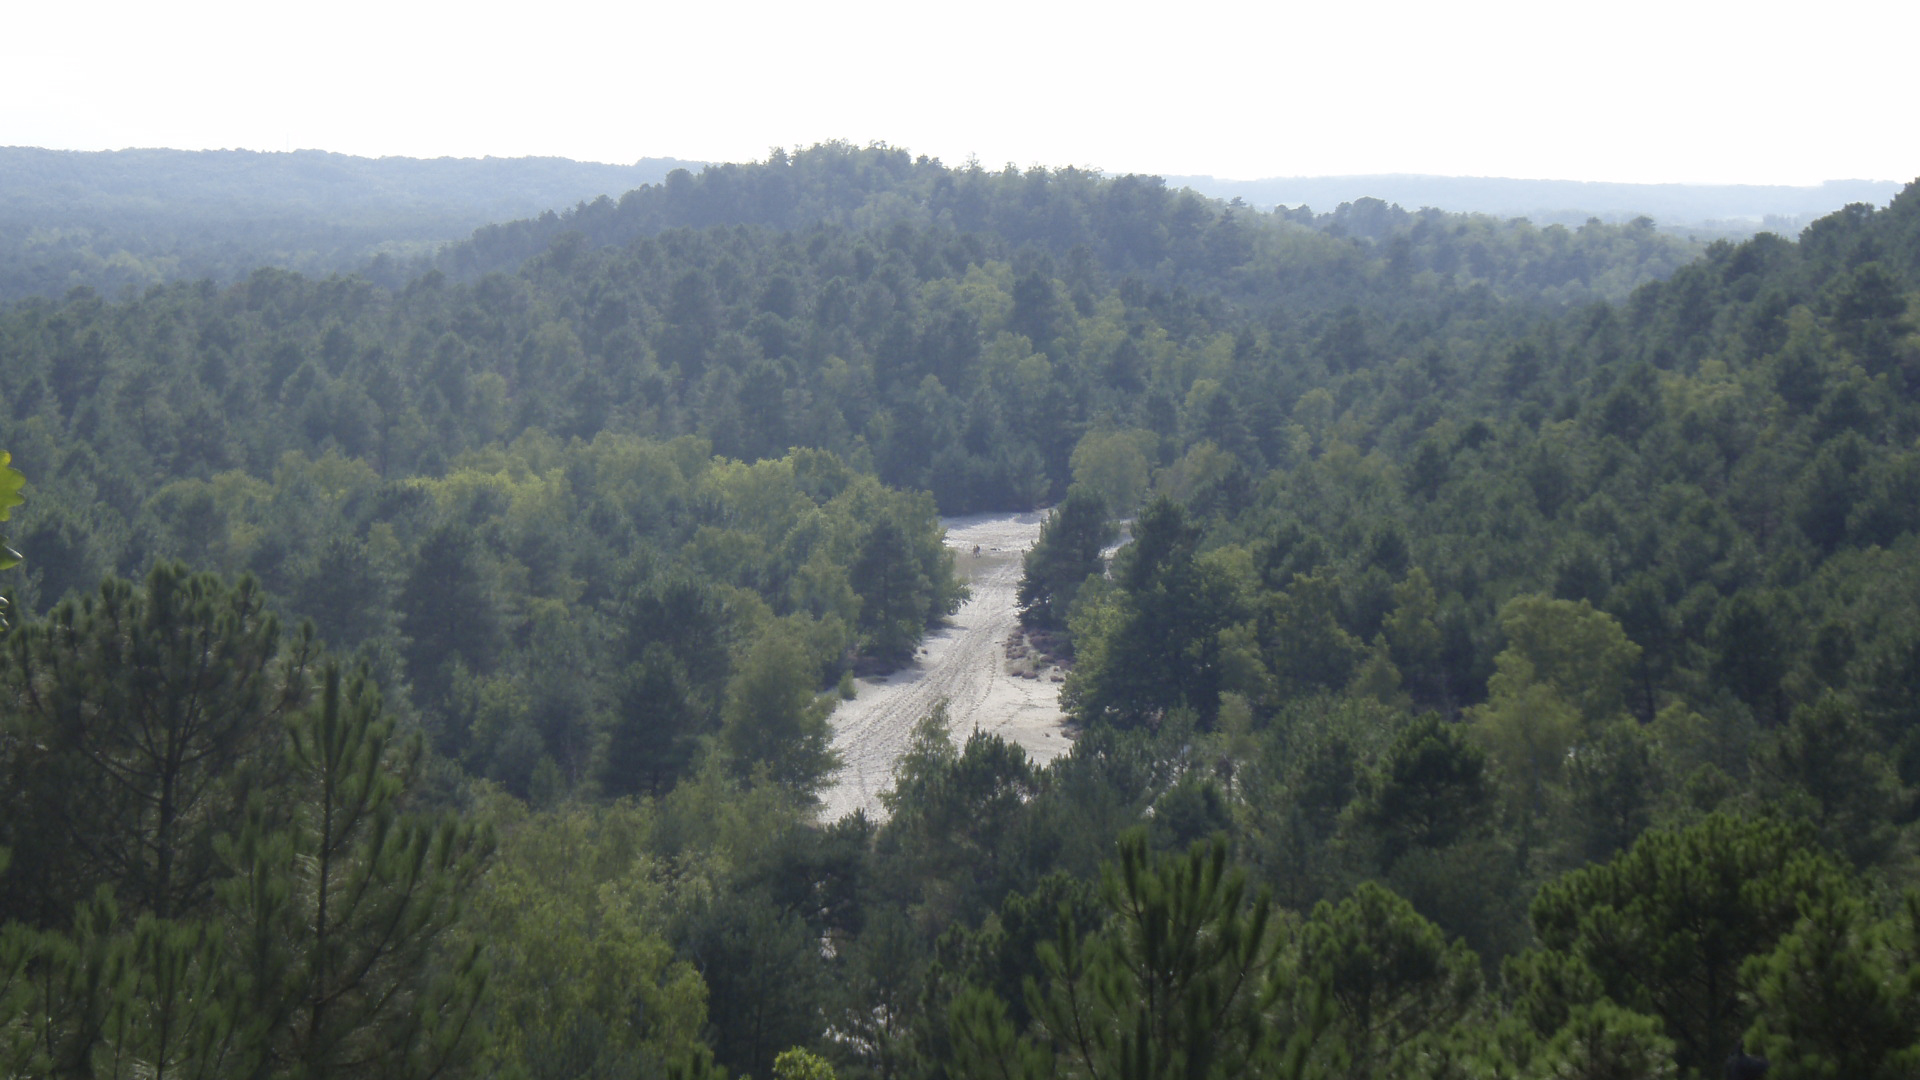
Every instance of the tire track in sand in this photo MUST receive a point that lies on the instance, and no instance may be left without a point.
(964, 662)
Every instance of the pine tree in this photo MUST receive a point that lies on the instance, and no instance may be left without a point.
(1067, 552)
(1389, 975)
(344, 908)
(448, 613)
(895, 592)
(1839, 997)
(1666, 925)
(772, 715)
(1186, 980)
(144, 718)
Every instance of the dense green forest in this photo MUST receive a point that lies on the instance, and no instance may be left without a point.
(1512, 671)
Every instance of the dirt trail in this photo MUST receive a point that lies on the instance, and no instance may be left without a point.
(964, 662)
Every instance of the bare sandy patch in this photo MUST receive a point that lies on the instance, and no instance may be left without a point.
(966, 663)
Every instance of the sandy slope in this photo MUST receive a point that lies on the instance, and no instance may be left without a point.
(964, 662)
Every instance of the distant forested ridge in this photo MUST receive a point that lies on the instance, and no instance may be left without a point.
(959, 330)
(1511, 672)
(113, 219)
(1568, 202)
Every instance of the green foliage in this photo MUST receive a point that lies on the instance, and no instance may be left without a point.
(1613, 782)
(1001, 956)
(1179, 983)
(880, 997)
(1834, 776)
(799, 1064)
(447, 612)
(1307, 648)
(773, 718)
(571, 922)
(325, 951)
(1154, 646)
(1389, 975)
(1413, 637)
(957, 816)
(179, 1015)
(1430, 790)
(654, 734)
(140, 723)
(1116, 466)
(516, 632)
(345, 906)
(1067, 553)
(1839, 995)
(986, 1043)
(67, 991)
(764, 981)
(1666, 925)
(1561, 678)
(1602, 1041)
(897, 596)
(1580, 654)
(11, 481)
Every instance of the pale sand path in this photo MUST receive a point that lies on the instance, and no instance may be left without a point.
(964, 662)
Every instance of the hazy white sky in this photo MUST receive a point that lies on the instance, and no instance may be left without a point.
(1627, 90)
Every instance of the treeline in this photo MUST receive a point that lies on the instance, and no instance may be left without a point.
(136, 218)
(1508, 674)
(536, 606)
(961, 362)
(1721, 469)
(1691, 208)
(1129, 226)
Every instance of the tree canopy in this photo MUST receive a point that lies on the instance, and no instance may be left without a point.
(1509, 669)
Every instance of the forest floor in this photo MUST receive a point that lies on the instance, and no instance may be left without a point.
(970, 661)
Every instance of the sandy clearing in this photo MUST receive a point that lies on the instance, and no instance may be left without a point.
(964, 662)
